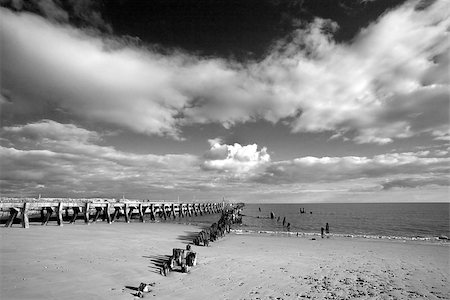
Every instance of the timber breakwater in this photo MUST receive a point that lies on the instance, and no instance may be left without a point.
(68, 210)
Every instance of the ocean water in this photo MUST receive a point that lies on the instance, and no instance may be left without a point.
(424, 221)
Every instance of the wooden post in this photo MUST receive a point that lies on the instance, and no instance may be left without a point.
(25, 220)
(164, 212)
(106, 213)
(97, 213)
(130, 214)
(115, 214)
(127, 219)
(13, 212)
(48, 214)
(59, 217)
(173, 210)
(76, 210)
(180, 210)
(86, 213)
(141, 213)
(152, 212)
(190, 207)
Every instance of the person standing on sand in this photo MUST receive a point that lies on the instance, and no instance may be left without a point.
(321, 231)
(327, 229)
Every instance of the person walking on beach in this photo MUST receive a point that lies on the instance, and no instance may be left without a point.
(321, 231)
(327, 229)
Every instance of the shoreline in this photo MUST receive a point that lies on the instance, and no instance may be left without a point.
(442, 240)
(104, 262)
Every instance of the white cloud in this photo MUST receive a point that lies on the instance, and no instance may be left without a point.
(58, 160)
(66, 160)
(236, 159)
(335, 169)
(390, 82)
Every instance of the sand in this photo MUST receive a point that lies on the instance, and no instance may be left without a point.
(102, 261)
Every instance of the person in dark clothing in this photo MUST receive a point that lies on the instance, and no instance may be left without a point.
(327, 229)
(321, 231)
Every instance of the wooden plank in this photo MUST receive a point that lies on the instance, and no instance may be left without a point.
(59, 217)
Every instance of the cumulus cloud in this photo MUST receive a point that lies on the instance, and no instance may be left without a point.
(235, 159)
(57, 159)
(389, 82)
(63, 159)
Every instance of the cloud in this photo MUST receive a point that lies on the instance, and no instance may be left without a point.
(56, 159)
(83, 13)
(415, 183)
(390, 82)
(334, 169)
(235, 159)
(66, 160)
(391, 68)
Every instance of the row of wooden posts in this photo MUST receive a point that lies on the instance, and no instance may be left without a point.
(164, 210)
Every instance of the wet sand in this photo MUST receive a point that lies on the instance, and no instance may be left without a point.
(102, 261)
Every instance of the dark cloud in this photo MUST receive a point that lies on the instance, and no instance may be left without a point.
(81, 13)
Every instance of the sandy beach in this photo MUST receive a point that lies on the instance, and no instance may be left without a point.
(102, 261)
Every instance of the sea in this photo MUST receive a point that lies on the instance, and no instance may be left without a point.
(410, 221)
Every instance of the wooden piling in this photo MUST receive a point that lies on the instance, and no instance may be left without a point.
(28, 208)
(152, 212)
(130, 213)
(25, 220)
(59, 217)
(106, 213)
(164, 211)
(98, 210)
(173, 211)
(115, 214)
(141, 213)
(125, 211)
(180, 210)
(76, 210)
(86, 213)
(47, 216)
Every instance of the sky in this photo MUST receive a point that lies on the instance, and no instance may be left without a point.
(297, 101)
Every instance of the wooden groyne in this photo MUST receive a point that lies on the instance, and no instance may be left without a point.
(109, 210)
